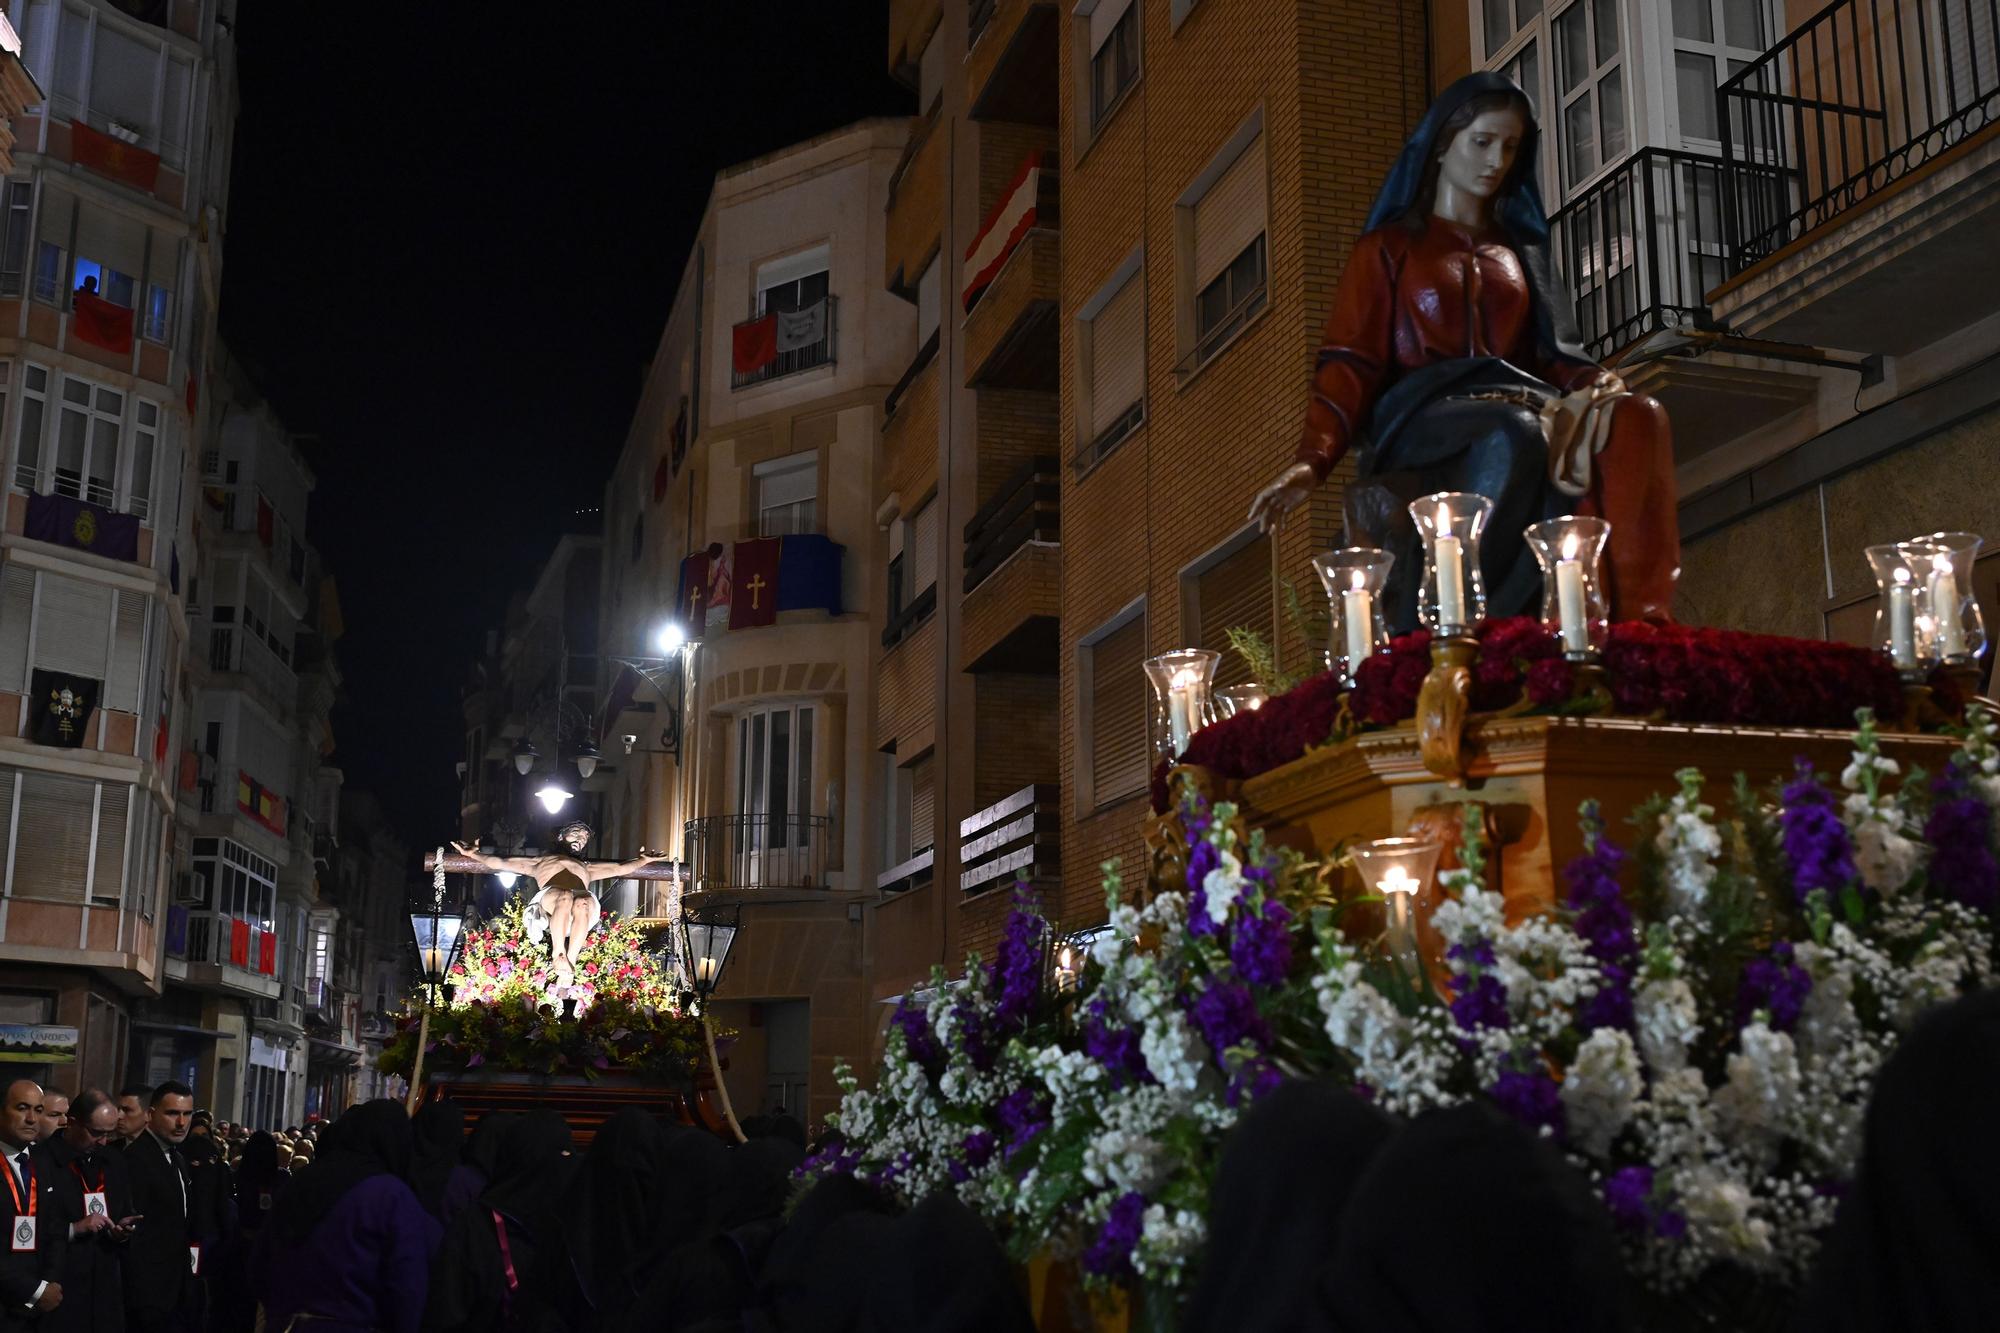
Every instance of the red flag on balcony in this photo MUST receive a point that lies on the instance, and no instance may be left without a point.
(193, 393)
(267, 522)
(1011, 219)
(160, 742)
(101, 323)
(267, 953)
(239, 942)
(753, 597)
(754, 345)
(113, 157)
(663, 476)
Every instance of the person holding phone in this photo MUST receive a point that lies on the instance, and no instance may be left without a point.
(162, 1260)
(91, 1183)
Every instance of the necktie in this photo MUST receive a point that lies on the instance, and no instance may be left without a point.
(21, 1168)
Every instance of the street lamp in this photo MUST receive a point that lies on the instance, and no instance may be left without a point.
(586, 759)
(552, 796)
(707, 935)
(437, 930)
(670, 638)
(525, 755)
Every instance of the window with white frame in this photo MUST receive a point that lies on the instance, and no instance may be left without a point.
(132, 83)
(1111, 362)
(55, 225)
(110, 254)
(1112, 32)
(1590, 88)
(145, 447)
(72, 840)
(28, 432)
(87, 426)
(97, 430)
(1224, 259)
(788, 495)
(795, 282)
(774, 763)
(1712, 39)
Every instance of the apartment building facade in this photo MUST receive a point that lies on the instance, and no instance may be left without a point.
(1772, 216)
(744, 508)
(109, 271)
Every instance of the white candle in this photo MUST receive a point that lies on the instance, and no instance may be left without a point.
(1944, 608)
(1569, 599)
(1357, 606)
(705, 970)
(1902, 623)
(1181, 723)
(1448, 552)
(1398, 889)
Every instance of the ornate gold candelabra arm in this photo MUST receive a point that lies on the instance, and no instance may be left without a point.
(1442, 705)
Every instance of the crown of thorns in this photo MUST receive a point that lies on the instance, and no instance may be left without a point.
(562, 834)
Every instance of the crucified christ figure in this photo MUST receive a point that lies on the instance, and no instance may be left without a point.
(566, 898)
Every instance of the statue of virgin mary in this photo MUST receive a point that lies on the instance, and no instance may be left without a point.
(1451, 362)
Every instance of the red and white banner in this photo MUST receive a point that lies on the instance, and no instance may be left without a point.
(1011, 219)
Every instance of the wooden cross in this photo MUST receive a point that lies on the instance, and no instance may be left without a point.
(453, 864)
(756, 585)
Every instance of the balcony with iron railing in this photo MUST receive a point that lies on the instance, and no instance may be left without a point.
(241, 650)
(1865, 145)
(214, 948)
(799, 340)
(1013, 574)
(758, 851)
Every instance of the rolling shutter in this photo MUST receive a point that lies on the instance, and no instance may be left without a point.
(108, 880)
(1230, 215)
(17, 608)
(1117, 356)
(121, 688)
(1234, 593)
(73, 626)
(923, 805)
(923, 549)
(53, 851)
(1119, 763)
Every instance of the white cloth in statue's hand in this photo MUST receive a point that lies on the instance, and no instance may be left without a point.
(535, 924)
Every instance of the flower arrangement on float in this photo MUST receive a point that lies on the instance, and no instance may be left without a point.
(1698, 1025)
(502, 1010)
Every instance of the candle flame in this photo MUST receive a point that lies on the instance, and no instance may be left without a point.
(1358, 578)
(1902, 575)
(1065, 958)
(1444, 516)
(1185, 678)
(1941, 564)
(1397, 880)
(1569, 546)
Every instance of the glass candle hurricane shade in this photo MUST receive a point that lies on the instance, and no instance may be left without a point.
(1574, 607)
(1945, 559)
(1398, 870)
(1904, 627)
(1181, 682)
(1354, 577)
(1245, 698)
(1454, 593)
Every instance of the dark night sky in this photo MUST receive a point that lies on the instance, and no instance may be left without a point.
(452, 243)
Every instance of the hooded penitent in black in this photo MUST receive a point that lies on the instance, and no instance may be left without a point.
(368, 1140)
(502, 1264)
(1465, 1222)
(941, 1271)
(1287, 1170)
(438, 1130)
(1914, 1246)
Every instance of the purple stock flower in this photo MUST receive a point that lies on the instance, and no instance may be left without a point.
(1960, 832)
(1110, 1255)
(1022, 1114)
(1226, 1016)
(1257, 1076)
(1017, 964)
(1481, 1004)
(917, 1038)
(1628, 1195)
(1776, 983)
(1262, 946)
(974, 1152)
(1115, 1046)
(1532, 1098)
(1815, 841)
(1610, 1006)
(973, 1036)
(1602, 918)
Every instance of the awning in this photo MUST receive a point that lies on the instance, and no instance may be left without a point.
(179, 1029)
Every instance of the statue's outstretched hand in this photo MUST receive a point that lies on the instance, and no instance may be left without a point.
(1282, 496)
(463, 850)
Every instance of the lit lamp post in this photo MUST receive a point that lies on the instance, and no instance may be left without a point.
(707, 935)
(437, 930)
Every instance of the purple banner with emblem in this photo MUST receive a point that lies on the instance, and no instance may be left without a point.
(83, 525)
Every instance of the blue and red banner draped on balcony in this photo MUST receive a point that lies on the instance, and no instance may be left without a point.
(115, 158)
(260, 803)
(754, 345)
(1011, 219)
(67, 521)
(748, 584)
(101, 323)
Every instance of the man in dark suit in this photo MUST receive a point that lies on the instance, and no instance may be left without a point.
(31, 1260)
(160, 1260)
(96, 1195)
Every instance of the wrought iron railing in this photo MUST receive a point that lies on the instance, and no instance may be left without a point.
(1850, 102)
(1024, 509)
(758, 851)
(792, 360)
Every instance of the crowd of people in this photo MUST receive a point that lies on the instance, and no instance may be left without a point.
(1326, 1214)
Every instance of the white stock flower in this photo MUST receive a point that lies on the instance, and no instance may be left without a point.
(1883, 855)
(1688, 844)
(1167, 1240)
(1667, 1021)
(1759, 1103)
(1600, 1089)
(1222, 886)
(1721, 1217)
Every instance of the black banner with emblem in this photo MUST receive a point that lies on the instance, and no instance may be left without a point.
(59, 705)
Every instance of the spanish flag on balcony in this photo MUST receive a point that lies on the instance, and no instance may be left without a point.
(1011, 219)
(260, 803)
(115, 158)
